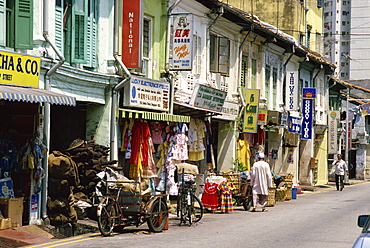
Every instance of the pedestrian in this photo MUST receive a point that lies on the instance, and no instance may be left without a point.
(261, 181)
(340, 167)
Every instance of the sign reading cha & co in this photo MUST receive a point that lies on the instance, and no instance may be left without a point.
(19, 69)
(251, 111)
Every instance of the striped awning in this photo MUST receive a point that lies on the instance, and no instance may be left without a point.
(128, 113)
(34, 95)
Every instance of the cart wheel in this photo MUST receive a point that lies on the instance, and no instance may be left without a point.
(107, 217)
(158, 215)
(247, 204)
(197, 209)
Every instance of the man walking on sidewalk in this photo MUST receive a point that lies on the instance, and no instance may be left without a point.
(260, 181)
(340, 168)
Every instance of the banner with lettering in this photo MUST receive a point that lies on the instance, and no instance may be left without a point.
(291, 93)
(208, 97)
(251, 110)
(19, 69)
(333, 117)
(294, 124)
(182, 34)
(307, 120)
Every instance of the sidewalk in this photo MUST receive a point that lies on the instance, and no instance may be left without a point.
(31, 234)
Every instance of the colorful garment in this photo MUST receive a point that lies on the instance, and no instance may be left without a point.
(244, 154)
(149, 170)
(226, 199)
(209, 197)
(196, 135)
(157, 132)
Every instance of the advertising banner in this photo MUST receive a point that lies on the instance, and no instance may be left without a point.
(333, 129)
(147, 93)
(291, 93)
(307, 121)
(251, 111)
(19, 69)
(131, 33)
(181, 51)
(294, 124)
(208, 98)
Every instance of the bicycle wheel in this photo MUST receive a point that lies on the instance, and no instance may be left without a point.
(107, 217)
(158, 215)
(247, 204)
(196, 208)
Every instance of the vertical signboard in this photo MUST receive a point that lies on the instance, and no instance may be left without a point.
(307, 120)
(294, 124)
(181, 52)
(251, 111)
(291, 94)
(131, 33)
(333, 137)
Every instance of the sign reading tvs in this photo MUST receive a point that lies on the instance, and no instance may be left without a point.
(181, 52)
(131, 33)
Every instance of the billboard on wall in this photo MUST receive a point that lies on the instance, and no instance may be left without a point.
(291, 99)
(19, 69)
(251, 111)
(182, 34)
(131, 33)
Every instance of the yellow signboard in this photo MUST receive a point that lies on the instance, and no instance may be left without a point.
(251, 111)
(19, 69)
(262, 117)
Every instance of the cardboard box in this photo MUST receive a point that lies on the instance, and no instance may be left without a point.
(12, 208)
(5, 223)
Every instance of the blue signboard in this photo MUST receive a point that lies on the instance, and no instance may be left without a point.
(307, 120)
(309, 93)
(294, 124)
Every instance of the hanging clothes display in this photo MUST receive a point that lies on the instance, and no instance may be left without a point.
(244, 154)
(226, 200)
(196, 135)
(209, 197)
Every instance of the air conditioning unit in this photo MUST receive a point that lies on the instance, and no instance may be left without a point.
(273, 117)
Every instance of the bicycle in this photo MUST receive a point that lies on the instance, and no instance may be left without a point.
(127, 208)
(189, 206)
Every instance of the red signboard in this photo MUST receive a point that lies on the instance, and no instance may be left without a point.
(131, 30)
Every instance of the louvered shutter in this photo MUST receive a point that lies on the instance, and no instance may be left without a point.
(79, 30)
(59, 28)
(224, 56)
(91, 42)
(23, 24)
(2, 23)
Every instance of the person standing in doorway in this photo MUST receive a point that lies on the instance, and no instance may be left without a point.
(260, 182)
(340, 167)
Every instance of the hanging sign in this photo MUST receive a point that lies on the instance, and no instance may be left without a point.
(131, 33)
(309, 93)
(291, 99)
(262, 117)
(251, 111)
(181, 52)
(307, 121)
(19, 69)
(208, 98)
(294, 124)
(333, 137)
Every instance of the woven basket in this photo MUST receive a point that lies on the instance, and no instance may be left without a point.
(288, 193)
(280, 194)
(233, 177)
(271, 197)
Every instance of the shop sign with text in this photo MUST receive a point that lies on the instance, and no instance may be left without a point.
(181, 51)
(251, 110)
(309, 93)
(262, 117)
(294, 124)
(307, 121)
(333, 118)
(131, 33)
(208, 98)
(147, 93)
(291, 90)
(19, 69)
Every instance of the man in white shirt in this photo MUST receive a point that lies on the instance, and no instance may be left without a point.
(260, 181)
(340, 168)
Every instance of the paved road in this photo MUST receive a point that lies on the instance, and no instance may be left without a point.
(323, 219)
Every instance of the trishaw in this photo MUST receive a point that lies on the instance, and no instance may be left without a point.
(125, 204)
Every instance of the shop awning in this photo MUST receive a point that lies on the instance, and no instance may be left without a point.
(135, 114)
(34, 95)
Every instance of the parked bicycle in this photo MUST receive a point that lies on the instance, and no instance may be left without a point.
(189, 206)
(124, 205)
